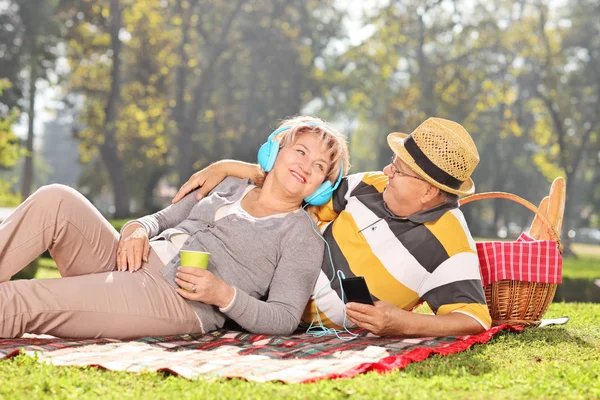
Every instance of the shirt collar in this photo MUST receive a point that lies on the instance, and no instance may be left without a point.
(428, 215)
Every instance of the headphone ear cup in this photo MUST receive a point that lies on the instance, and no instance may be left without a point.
(321, 195)
(267, 154)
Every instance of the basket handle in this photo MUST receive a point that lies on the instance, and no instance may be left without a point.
(509, 196)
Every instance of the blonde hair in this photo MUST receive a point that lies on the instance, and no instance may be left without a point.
(333, 140)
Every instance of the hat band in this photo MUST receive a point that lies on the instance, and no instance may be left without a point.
(428, 166)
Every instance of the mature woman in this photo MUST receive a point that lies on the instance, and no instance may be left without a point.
(265, 256)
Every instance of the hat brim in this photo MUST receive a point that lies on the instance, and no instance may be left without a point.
(396, 143)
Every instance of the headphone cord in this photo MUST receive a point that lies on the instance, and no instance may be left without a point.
(319, 329)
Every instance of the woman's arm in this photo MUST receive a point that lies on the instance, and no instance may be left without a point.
(168, 217)
(208, 178)
(289, 292)
(134, 241)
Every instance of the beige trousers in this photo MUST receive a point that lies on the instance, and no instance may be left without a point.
(92, 299)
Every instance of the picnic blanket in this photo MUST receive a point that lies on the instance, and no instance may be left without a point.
(225, 353)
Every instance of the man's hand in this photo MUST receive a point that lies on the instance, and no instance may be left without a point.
(382, 319)
(385, 319)
(211, 176)
(206, 179)
(202, 285)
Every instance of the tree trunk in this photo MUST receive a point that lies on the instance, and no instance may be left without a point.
(109, 150)
(27, 182)
(148, 201)
(569, 221)
(426, 80)
(183, 139)
(186, 126)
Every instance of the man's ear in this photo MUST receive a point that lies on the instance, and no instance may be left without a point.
(431, 193)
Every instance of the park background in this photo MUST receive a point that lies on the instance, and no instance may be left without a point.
(125, 99)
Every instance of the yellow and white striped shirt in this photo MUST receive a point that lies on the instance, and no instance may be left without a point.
(429, 256)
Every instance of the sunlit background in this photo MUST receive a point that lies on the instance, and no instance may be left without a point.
(125, 99)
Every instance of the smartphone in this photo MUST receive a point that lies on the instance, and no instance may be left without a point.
(356, 290)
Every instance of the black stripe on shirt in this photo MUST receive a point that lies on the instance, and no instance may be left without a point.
(339, 196)
(422, 244)
(468, 292)
(340, 263)
(364, 188)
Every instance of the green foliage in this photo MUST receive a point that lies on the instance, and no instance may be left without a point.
(201, 80)
(118, 223)
(29, 272)
(9, 151)
(205, 80)
(520, 77)
(9, 145)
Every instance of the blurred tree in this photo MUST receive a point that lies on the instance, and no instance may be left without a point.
(10, 56)
(118, 51)
(564, 65)
(200, 80)
(9, 149)
(212, 23)
(438, 58)
(241, 67)
(485, 65)
(29, 37)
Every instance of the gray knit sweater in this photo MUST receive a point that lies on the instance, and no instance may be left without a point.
(273, 263)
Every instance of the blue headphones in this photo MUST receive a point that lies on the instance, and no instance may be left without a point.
(266, 159)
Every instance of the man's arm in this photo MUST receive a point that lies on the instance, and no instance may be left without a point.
(385, 319)
(208, 178)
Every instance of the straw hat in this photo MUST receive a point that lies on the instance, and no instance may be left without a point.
(441, 152)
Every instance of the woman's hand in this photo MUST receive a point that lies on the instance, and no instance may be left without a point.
(202, 285)
(133, 248)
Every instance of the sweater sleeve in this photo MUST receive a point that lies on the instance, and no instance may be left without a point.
(168, 217)
(290, 289)
(176, 213)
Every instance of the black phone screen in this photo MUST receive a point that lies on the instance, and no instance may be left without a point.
(356, 290)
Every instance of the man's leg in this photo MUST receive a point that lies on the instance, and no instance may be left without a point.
(58, 218)
(120, 305)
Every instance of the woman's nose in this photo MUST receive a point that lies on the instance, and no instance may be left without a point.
(305, 167)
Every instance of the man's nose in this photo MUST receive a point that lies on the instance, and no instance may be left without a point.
(387, 170)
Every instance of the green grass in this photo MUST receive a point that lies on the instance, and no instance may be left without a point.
(586, 250)
(581, 268)
(553, 363)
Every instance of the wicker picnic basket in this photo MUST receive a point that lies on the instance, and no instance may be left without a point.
(518, 302)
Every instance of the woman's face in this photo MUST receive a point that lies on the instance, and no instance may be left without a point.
(303, 166)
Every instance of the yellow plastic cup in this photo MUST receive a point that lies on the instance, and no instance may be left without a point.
(197, 259)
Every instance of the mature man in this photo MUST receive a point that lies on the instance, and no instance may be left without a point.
(403, 231)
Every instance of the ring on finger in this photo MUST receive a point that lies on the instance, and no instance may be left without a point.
(193, 289)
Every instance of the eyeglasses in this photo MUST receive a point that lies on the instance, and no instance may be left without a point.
(395, 171)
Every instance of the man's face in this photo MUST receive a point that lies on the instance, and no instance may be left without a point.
(405, 189)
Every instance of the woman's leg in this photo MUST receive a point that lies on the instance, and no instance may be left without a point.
(62, 220)
(115, 304)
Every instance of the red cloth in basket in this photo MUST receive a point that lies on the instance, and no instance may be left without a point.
(526, 259)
